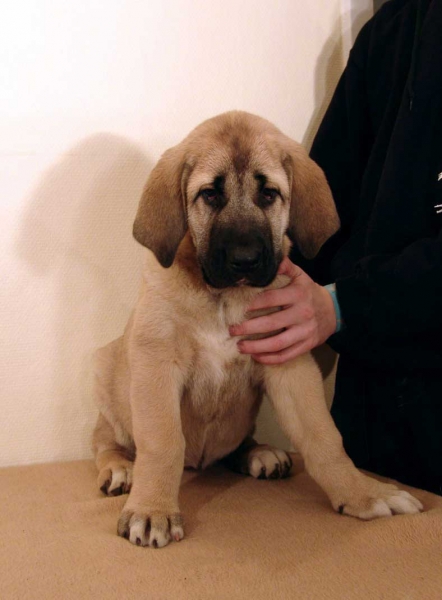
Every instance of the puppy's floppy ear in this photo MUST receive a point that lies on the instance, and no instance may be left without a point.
(313, 216)
(160, 223)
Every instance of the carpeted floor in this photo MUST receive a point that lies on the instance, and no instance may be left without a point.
(244, 539)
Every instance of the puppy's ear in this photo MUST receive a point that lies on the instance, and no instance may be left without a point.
(313, 216)
(160, 223)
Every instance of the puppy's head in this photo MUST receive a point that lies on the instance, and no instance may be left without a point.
(239, 185)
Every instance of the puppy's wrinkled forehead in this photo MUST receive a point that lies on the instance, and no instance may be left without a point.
(238, 157)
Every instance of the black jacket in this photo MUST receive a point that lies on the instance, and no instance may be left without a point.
(380, 145)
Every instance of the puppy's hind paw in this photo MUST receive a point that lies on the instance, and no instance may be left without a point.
(116, 479)
(266, 462)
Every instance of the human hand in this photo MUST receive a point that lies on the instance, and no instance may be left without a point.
(307, 317)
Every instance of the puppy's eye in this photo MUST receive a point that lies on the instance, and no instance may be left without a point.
(267, 197)
(212, 197)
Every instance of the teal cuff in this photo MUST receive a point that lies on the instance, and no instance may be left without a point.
(331, 289)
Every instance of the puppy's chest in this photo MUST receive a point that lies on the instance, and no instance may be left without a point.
(219, 379)
(217, 358)
(219, 398)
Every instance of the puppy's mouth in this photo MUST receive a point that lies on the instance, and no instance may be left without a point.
(221, 278)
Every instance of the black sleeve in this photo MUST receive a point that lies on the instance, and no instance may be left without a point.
(390, 295)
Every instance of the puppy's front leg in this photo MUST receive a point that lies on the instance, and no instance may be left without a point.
(151, 516)
(296, 391)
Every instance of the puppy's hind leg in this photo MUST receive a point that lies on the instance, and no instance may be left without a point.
(114, 462)
(113, 448)
(259, 460)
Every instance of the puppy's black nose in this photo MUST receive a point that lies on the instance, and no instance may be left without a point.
(243, 259)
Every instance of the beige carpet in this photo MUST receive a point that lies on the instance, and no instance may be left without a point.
(244, 539)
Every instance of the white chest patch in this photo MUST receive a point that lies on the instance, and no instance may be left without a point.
(216, 349)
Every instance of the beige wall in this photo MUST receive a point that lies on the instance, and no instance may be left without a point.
(92, 93)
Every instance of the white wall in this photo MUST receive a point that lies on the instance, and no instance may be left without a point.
(92, 92)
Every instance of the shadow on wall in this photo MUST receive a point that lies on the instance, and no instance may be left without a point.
(358, 16)
(327, 72)
(77, 235)
(331, 62)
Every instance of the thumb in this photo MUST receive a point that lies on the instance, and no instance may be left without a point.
(289, 269)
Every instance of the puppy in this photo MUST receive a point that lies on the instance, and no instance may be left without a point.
(217, 214)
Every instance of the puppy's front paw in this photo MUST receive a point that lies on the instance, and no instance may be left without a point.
(153, 529)
(378, 499)
(266, 462)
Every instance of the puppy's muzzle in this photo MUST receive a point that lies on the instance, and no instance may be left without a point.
(239, 258)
